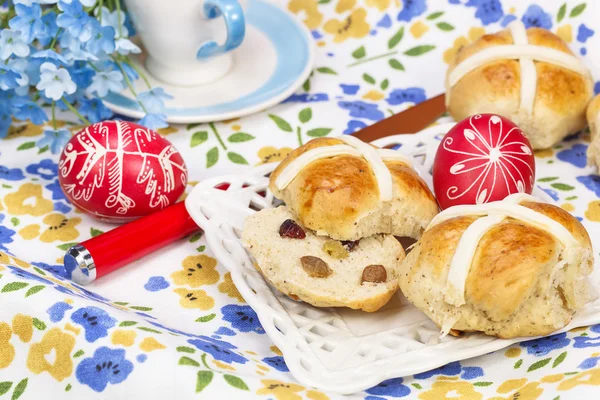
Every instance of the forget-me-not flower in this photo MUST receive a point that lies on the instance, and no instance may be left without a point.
(106, 81)
(19, 65)
(113, 19)
(54, 139)
(29, 21)
(102, 40)
(126, 46)
(55, 82)
(94, 110)
(154, 121)
(75, 20)
(8, 78)
(154, 100)
(12, 42)
(48, 55)
(31, 111)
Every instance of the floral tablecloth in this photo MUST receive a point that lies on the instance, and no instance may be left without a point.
(173, 325)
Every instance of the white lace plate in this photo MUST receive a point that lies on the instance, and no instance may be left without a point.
(342, 350)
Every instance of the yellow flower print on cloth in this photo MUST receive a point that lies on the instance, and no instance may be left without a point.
(28, 130)
(195, 299)
(354, 26)
(281, 390)
(593, 211)
(451, 389)
(310, 7)
(7, 350)
(228, 287)
(381, 5)
(589, 377)
(197, 271)
(474, 34)
(57, 342)
(271, 154)
(28, 200)
(22, 326)
(519, 389)
(60, 228)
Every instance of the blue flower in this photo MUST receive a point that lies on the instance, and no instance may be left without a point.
(591, 182)
(552, 193)
(584, 33)
(154, 100)
(225, 331)
(156, 283)
(24, 274)
(102, 40)
(507, 20)
(129, 71)
(391, 387)
(220, 350)
(106, 366)
(411, 9)
(307, 98)
(597, 88)
(276, 362)
(349, 89)
(582, 342)
(82, 75)
(471, 372)
(57, 193)
(5, 122)
(75, 20)
(126, 46)
(536, 17)
(353, 126)
(154, 121)
(488, 11)
(95, 321)
(316, 34)
(94, 110)
(360, 109)
(589, 363)
(11, 174)
(104, 82)
(32, 112)
(8, 78)
(61, 207)
(49, 56)
(410, 95)
(112, 19)
(385, 22)
(141, 358)
(12, 42)
(595, 328)
(5, 237)
(50, 29)
(55, 82)
(575, 155)
(56, 270)
(453, 368)
(57, 311)
(55, 139)
(242, 318)
(20, 66)
(543, 346)
(46, 169)
(28, 21)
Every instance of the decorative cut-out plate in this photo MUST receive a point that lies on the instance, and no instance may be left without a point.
(343, 350)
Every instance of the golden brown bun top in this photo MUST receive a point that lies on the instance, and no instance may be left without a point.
(508, 261)
(593, 110)
(332, 194)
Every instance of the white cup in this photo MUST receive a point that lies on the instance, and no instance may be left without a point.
(181, 37)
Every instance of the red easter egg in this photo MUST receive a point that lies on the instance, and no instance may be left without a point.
(118, 171)
(483, 158)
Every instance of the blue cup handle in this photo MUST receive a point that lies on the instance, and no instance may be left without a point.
(234, 20)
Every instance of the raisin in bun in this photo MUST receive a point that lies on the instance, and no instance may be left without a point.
(528, 76)
(593, 117)
(513, 268)
(347, 190)
(320, 271)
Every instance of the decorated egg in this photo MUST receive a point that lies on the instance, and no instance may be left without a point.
(118, 171)
(482, 158)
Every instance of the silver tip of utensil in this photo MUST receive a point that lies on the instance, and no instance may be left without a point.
(79, 260)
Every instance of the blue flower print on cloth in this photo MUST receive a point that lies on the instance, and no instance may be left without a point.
(46, 169)
(360, 109)
(225, 331)
(242, 318)
(106, 366)
(385, 22)
(11, 174)
(392, 387)
(57, 193)
(411, 9)
(543, 346)
(535, 16)
(57, 311)
(591, 182)
(507, 20)
(56, 270)
(584, 33)
(575, 155)
(451, 369)
(353, 126)
(220, 350)
(95, 321)
(552, 193)
(488, 11)
(156, 283)
(276, 362)
(141, 358)
(24, 274)
(409, 95)
(5, 237)
(307, 98)
(349, 89)
(586, 341)
(589, 363)
(471, 372)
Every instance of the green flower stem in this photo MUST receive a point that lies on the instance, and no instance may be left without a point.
(49, 10)
(212, 126)
(53, 43)
(129, 84)
(118, 4)
(93, 66)
(54, 114)
(74, 111)
(203, 358)
(299, 136)
(139, 71)
(391, 53)
(100, 11)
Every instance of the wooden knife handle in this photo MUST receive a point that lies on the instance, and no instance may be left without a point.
(409, 121)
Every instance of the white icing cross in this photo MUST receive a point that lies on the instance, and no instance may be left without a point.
(494, 213)
(526, 54)
(353, 147)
